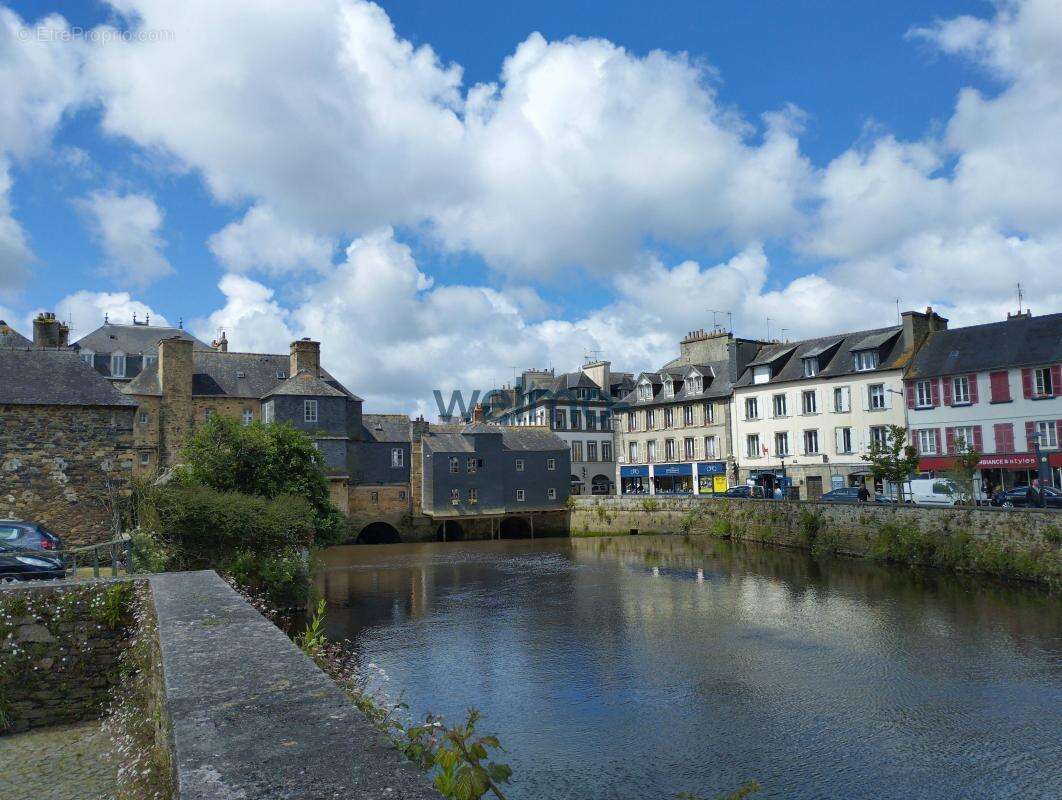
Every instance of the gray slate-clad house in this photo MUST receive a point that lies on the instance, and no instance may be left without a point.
(384, 450)
(120, 352)
(66, 443)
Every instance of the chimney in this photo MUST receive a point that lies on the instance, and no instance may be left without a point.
(175, 366)
(599, 373)
(49, 332)
(917, 326)
(477, 414)
(305, 355)
(1026, 314)
(222, 344)
(417, 428)
(700, 346)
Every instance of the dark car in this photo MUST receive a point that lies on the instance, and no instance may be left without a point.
(18, 565)
(745, 491)
(850, 494)
(20, 535)
(1018, 497)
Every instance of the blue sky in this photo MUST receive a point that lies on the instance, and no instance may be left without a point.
(873, 167)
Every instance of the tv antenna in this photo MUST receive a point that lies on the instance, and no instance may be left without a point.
(768, 329)
(1021, 296)
(715, 320)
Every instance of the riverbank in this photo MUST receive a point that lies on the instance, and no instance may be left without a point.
(1020, 544)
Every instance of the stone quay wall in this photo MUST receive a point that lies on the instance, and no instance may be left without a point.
(63, 465)
(1023, 543)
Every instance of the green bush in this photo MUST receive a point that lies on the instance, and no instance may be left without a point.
(151, 553)
(281, 578)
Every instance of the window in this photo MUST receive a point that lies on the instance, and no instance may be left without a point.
(962, 437)
(455, 465)
(842, 399)
(519, 495)
(309, 410)
(88, 357)
(809, 402)
(145, 459)
(268, 412)
(960, 390)
(752, 410)
(924, 394)
(687, 415)
(591, 451)
(844, 441)
(577, 421)
(778, 405)
(669, 417)
(473, 496)
(470, 465)
(866, 360)
(650, 450)
(879, 436)
(1048, 434)
(562, 419)
(551, 494)
(520, 463)
(281, 375)
(645, 391)
(455, 497)
(669, 387)
(591, 421)
(632, 421)
(650, 419)
(606, 451)
(374, 498)
(709, 413)
(709, 447)
(927, 441)
(761, 374)
(876, 394)
(811, 442)
(606, 420)
(149, 360)
(811, 367)
(577, 451)
(696, 384)
(752, 445)
(669, 449)
(247, 416)
(401, 494)
(551, 465)
(781, 444)
(689, 446)
(632, 452)
(1042, 382)
(398, 457)
(143, 418)
(208, 414)
(117, 365)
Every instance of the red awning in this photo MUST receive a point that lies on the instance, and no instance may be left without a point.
(990, 461)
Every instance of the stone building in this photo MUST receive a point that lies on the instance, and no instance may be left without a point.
(121, 352)
(806, 412)
(994, 387)
(379, 492)
(673, 428)
(66, 444)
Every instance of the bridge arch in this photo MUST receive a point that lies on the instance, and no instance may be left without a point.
(379, 533)
(515, 528)
(449, 530)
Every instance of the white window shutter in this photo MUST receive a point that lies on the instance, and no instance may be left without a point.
(888, 396)
(866, 439)
(838, 440)
(865, 394)
(818, 401)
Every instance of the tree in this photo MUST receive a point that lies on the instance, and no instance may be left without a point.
(962, 472)
(893, 460)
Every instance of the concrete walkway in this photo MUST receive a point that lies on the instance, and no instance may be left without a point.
(60, 763)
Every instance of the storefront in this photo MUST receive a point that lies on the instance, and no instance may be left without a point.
(769, 479)
(673, 478)
(1006, 469)
(711, 477)
(634, 480)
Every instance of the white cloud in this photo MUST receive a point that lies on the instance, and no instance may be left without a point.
(127, 227)
(85, 311)
(250, 318)
(262, 242)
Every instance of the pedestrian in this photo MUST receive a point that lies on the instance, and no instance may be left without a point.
(863, 495)
(1037, 498)
(778, 493)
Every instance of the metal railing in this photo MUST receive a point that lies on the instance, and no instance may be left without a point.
(114, 556)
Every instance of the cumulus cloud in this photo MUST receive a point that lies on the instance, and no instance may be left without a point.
(85, 311)
(262, 242)
(127, 228)
(251, 319)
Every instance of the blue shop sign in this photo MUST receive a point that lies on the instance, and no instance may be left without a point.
(634, 472)
(673, 469)
(711, 468)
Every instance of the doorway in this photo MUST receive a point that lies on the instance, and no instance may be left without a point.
(813, 485)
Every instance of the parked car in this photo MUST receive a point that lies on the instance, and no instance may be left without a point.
(20, 535)
(850, 494)
(1018, 497)
(15, 566)
(932, 491)
(745, 491)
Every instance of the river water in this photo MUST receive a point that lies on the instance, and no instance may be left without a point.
(637, 667)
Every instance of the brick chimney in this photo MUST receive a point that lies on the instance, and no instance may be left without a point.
(917, 326)
(305, 355)
(49, 332)
(701, 346)
(477, 414)
(176, 411)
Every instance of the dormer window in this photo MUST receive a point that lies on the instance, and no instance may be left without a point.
(149, 360)
(761, 374)
(118, 365)
(669, 387)
(811, 367)
(695, 383)
(87, 356)
(866, 360)
(281, 375)
(645, 391)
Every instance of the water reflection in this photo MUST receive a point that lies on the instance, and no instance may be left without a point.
(635, 667)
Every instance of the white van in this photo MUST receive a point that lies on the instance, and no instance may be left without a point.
(931, 491)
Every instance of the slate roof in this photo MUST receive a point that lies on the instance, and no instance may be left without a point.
(9, 337)
(716, 383)
(459, 439)
(111, 338)
(305, 384)
(836, 355)
(386, 428)
(1034, 341)
(230, 375)
(54, 378)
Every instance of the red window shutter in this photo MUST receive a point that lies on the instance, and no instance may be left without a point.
(947, 391)
(1056, 380)
(973, 387)
(935, 391)
(1000, 382)
(978, 442)
(909, 390)
(1026, 384)
(1030, 429)
(949, 439)
(936, 439)
(1004, 432)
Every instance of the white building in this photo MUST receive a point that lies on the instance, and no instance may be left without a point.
(994, 387)
(806, 412)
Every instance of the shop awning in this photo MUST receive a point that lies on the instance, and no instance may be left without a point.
(662, 470)
(634, 472)
(991, 461)
(711, 468)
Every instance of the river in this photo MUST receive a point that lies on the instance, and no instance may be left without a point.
(637, 667)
